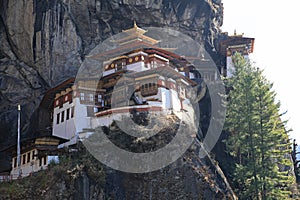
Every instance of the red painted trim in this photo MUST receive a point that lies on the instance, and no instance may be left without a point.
(62, 100)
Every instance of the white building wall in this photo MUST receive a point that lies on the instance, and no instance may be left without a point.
(106, 120)
(82, 121)
(165, 98)
(108, 72)
(70, 128)
(67, 128)
(247, 57)
(230, 65)
(139, 66)
(175, 100)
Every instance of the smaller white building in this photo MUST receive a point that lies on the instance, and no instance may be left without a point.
(231, 50)
(35, 155)
(234, 44)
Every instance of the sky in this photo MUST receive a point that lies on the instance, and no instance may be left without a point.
(275, 25)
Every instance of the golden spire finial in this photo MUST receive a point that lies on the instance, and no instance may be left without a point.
(134, 25)
(234, 32)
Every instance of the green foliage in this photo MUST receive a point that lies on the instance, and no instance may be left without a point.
(258, 140)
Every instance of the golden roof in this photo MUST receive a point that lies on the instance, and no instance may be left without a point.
(135, 34)
(135, 30)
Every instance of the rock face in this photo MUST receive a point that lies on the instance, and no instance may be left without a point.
(189, 177)
(44, 42)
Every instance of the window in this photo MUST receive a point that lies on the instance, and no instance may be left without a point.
(15, 162)
(61, 100)
(91, 97)
(62, 116)
(71, 98)
(148, 89)
(192, 75)
(181, 91)
(28, 157)
(119, 66)
(24, 159)
(99, 98)
(72, 112)
(57, 102)
(57, 118)
(68, 114)
(32, 155)
(45, 160)
(82, 96)
(40, 162)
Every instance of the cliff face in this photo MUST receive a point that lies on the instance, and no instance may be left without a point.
(44, 42)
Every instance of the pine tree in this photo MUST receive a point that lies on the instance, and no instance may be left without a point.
(258, 140)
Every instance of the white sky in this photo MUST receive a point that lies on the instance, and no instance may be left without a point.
(275, 25)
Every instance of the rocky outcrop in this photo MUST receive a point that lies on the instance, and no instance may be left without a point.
(80, 176)
(44, 42)
(189, 177)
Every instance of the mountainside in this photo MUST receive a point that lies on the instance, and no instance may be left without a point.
(80, 176)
